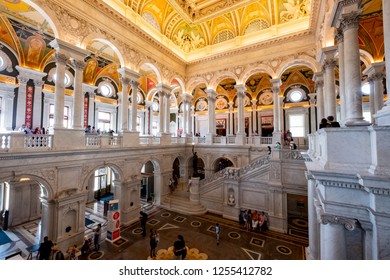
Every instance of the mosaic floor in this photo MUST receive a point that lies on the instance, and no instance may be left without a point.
(198, 232)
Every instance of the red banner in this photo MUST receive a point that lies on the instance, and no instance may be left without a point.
(86, 104)
(29, 106)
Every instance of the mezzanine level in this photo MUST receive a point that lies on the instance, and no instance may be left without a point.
(20, 142)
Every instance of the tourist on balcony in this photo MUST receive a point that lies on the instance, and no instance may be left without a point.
(324, 123)
(332, 122)
(88, 129)
(37, 130)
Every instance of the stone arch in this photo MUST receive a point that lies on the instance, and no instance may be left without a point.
(116, 169)
(47, 191)
(189, 165)
(194, 82)
(156, 164)
(216, 161)
(302, 61)
(181, 83)
(366, 57)
(224, 75)
(259, 69)
(48, 15)
(101, 38)
(152, 66)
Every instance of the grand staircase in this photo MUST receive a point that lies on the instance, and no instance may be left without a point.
(179, 201)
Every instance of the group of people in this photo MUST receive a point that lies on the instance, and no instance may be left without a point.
(252, 220)
(329, 122)
(26, 130)
(50, 251)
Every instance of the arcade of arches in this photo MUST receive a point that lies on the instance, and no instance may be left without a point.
(93, 119)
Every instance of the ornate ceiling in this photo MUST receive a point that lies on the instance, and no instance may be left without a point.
(199, 28)
(193, 25)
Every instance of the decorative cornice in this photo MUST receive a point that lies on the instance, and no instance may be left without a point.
(255, 46)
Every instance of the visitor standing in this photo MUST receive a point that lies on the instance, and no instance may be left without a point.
(143, 219)
(153, 243)
(217, 230)
(179, 247)
(44, 250)
(96, 237)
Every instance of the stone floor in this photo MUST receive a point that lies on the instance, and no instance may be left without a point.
(236, 243)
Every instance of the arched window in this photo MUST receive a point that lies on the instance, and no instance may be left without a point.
(150, 18)
(256, 25)
(106, 89)
(222, 36)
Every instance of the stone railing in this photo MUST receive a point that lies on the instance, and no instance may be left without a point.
(234, 173)
(19, 142)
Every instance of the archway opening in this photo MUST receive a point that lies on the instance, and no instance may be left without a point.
(147, 183)
(222, 163)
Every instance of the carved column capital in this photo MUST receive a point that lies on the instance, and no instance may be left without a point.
(350, 20)
(78, 64)
(61, 58)
(349, 224)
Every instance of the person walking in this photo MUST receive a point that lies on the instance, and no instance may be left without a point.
(96, 237)
(153, 243)
(44, 250)
(143, 219)
(179, 247)
(217, 230)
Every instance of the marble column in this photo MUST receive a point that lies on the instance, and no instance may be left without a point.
(134, 104)
(281, 112)
(185, 115)
(59, 95)
(340, 47)
(48, 220)
(313, 121)
(37, 105)
(124, 108)
(383, 116)
(167, 104)
(313, 251)
(211, 95)
(277, 134)
(148, 117)
(191, 120)
(21, 100)
(163, 90)
(8, 95)
(241, 89)
(231, 117)
(254, 116)
(333, 239)
(319, 84)
(329, 63)
(78, 96)
(26, 74)
(353, 93)
(386, 36)
(91, 108)
(375, 73)
(128, 77)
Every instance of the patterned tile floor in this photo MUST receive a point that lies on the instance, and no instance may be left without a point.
(235, 242)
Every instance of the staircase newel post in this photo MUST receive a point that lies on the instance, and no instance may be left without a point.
(194, 190)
